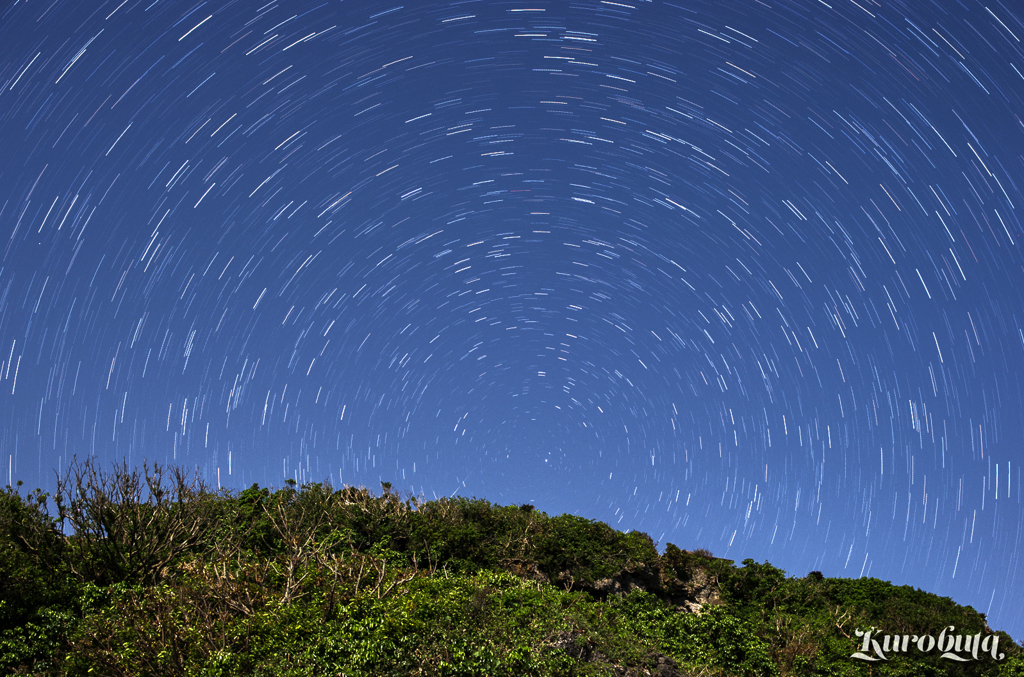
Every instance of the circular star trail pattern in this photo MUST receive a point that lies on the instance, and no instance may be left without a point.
(742, 275)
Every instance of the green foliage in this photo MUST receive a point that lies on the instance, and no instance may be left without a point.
(37, 591)
(722, 640)
(32, 641)
(590, 551)
(164, 577)
(248, 523)
(753, 587)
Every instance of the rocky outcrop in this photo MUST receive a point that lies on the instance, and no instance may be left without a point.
(689, 580)
(644, 578)
(528, 571)
(700, 589)
(698, 586)
(680, 578)
(641, 577)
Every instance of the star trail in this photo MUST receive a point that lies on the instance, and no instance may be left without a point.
(744, 276)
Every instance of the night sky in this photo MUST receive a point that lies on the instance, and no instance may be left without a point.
(744, 276)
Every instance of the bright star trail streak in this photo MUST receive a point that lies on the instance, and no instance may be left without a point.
(744, 275)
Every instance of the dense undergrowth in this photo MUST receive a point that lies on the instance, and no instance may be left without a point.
(149, 572)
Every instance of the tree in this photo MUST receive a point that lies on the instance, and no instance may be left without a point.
(128, 526)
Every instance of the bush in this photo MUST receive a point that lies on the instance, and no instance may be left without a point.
(589, 551)
(720, 639)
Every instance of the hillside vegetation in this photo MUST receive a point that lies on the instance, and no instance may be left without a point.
(140, 572)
